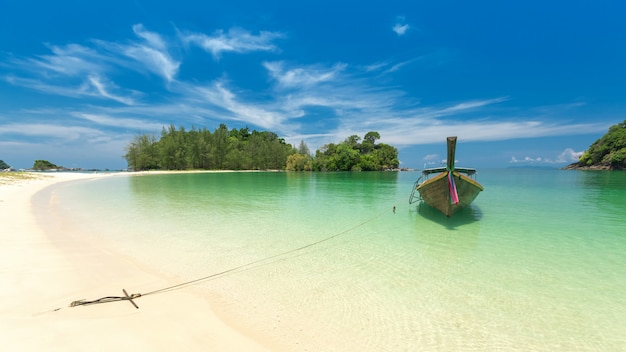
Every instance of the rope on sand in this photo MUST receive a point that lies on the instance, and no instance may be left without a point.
(246, 266)
(108, 299)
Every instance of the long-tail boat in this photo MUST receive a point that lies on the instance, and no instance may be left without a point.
(451, 190)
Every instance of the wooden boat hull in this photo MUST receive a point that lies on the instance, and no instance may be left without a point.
(436, 193)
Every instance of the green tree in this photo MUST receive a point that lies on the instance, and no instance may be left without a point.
(220, 146)
(345, 158)
(371, 137)
(353, 141)
(368, 162)
(303, 148)
(45, 165)
(4, 165)
(141, 153)
(369, 141)
(299, 162)
(387, 157)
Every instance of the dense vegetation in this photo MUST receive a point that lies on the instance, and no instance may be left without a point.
(608, 152)
(350, 155)
(45, 165)
(179, 149)
(4, 165)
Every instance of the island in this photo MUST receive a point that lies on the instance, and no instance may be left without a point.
(224, 149)
(607, 153)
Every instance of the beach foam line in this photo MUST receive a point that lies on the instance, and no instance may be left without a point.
(40, 275)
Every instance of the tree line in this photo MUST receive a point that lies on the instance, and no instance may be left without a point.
(242, 149)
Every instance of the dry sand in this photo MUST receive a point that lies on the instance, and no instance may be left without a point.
(40, 274)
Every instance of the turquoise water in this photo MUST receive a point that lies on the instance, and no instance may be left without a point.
(537, 263)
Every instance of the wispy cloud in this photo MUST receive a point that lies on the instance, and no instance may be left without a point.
(76, 70)
(389, 66)
(70, 60)
(49, 130)
(407, 132)
(302, 76)
(119, 122)
(253, 113)
(151, 53)
(398, 66)
(103, 90)
(234, 40)
(153, 40)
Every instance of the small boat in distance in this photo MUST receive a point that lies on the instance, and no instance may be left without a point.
(451, 190)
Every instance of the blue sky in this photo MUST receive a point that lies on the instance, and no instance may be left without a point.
(519, 83)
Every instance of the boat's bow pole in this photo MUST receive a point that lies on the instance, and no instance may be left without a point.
(451, 153)
(454, 196)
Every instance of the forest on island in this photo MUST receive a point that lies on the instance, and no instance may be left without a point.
(242, 149)
(608, 152)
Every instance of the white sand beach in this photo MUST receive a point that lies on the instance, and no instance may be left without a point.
(41, 274)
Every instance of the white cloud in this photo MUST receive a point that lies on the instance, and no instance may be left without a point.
(302, 76)
(399, 65)
(70, 60)
(376, 66)
(235, 40)
(432, 160)
(153, 54)
(152, 38)
(67, 68)
(47, 88)
(158, 62)
(569, 156)
(400, 29)
(431, 157)
(127, 123)
(50, 131)
(526, 159)
(428, 128)
(102, 89)
(233, 108)
(472, 104)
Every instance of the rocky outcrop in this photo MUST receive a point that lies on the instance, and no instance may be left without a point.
(577, 166)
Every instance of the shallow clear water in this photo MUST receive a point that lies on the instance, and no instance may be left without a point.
(537, 263)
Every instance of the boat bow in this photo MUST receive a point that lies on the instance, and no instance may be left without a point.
(452, 189)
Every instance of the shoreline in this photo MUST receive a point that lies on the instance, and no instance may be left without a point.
(44, 268)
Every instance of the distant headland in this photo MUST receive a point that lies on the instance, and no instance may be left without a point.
(607, 153)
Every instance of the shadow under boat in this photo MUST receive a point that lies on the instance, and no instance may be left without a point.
(447, 240)
(465, 216)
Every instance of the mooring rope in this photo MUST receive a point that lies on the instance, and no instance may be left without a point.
(242, 267)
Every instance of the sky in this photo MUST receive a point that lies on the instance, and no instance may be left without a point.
(521, 83)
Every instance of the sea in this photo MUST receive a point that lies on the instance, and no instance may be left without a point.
(343, 262)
